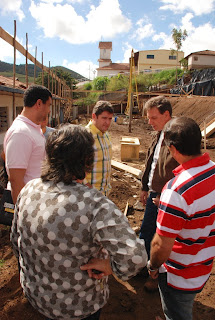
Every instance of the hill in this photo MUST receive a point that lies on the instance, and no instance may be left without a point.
(7, 70)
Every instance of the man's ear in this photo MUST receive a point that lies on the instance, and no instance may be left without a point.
(38, 103)
(167, 114)
(94, 116)
(173, 150)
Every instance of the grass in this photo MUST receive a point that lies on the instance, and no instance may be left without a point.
(21, 77)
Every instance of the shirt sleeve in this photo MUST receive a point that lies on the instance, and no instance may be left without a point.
(112, 231)
(171, 214)
(18, 151)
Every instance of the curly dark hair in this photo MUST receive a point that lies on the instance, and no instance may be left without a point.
(70, 154)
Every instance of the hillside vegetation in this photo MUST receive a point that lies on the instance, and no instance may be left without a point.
(7, 70)
(144, 81)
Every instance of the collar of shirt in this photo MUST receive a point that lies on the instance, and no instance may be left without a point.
(196, 162)
(26, 120)
(95, 130)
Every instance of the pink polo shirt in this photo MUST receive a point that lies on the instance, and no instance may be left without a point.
(24, 147)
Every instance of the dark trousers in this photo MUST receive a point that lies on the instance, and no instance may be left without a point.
(176, 304)
(148, 226)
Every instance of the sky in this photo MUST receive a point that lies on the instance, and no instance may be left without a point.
(68, 32)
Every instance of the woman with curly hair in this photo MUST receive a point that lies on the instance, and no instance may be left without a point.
(61, 228)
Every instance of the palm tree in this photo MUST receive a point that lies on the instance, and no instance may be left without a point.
(178, 36)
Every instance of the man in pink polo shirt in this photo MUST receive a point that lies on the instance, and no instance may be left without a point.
(24, 143)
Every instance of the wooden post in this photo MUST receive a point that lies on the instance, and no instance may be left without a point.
(14, 71)
(55, 102)
(121, 107)
(131, 110)
(55, 83)
(42, 71)
(35, 64)
(26, 62)
(52, 81)
(49, 76)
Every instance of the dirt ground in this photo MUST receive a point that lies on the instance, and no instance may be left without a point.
(127, 301)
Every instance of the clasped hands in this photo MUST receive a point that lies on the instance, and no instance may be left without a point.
(102, 265)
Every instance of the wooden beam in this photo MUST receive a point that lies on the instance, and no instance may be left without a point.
(123, 167)
(12, 41)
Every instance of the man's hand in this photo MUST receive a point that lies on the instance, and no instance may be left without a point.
(102, 265)
(154, 274)
(156, 200)
(143, 197)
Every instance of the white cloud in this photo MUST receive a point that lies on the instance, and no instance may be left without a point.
(14, 7)
(143, 31)
(76, 1)
(199, 38)
(167, 42)
(197, 7)
(7, 51)
(127, 48)
(84, 67)
(106, 20)
(187, 24)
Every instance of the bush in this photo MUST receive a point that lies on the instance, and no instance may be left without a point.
(88, 86)
(118, 82)
(100, 83)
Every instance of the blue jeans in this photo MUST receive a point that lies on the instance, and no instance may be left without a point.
(94, 316)
(176, 304)
(148, 226)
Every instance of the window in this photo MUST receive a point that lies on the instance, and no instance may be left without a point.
(172, 57)
(195, 58)
(18, 110)
(3, 119)
(150, 56)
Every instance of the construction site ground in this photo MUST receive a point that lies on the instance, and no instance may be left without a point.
(128, 301)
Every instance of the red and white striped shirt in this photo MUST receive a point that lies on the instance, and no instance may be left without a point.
(187, 212)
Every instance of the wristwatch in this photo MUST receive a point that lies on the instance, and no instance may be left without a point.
(149, 267)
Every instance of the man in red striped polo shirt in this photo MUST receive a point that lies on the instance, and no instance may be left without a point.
(183, 248)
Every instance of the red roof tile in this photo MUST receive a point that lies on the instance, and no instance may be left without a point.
(116, 66)
(8, 82)
(105, 45)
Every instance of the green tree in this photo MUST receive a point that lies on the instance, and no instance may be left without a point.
(100, 83)
(70, 81)
(88, 86)
(118, 82)
(178, 37)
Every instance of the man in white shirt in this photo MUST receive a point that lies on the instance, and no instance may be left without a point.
(24, 143)
(158, 170)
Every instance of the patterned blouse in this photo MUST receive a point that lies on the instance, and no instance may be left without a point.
(58, 228)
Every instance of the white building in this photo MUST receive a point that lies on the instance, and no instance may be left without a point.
(106, 67)
(201, 59)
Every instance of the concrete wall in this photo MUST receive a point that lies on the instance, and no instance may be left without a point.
(197, 61)
(104, 63)
(105, 53)
(161, 60)
(109, 73)
(6, 100)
